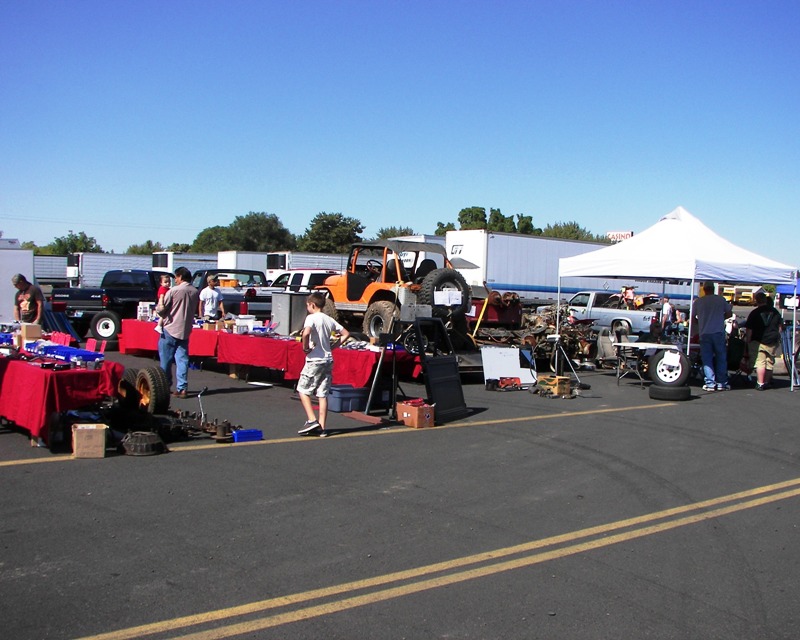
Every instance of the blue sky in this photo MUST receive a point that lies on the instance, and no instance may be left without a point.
(154, 120)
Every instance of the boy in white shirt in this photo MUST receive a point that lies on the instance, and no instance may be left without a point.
(211, 300)
(315, 378)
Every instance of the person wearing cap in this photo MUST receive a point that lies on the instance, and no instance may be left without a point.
(711, 310)
(28, 300)
(211, 300)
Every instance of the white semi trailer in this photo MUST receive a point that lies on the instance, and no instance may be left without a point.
(528, 266)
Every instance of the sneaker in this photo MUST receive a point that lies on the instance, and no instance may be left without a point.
(723, 387)
(709, 387)
(324, 433)
(308, 427)
(759, 386)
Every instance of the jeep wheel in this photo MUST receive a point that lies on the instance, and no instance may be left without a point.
(106, 325)
(329, 309)
(378, 319)
(445, 280)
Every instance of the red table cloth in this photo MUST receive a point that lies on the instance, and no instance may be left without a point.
(29, 394)
(350, 366)
(142, 336)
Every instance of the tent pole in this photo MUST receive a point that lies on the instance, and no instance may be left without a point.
(793, 372)
(558, 314)
(691, 320)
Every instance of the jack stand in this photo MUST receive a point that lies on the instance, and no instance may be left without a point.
(560, 352)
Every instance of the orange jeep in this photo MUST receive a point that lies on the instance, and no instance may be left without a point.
(384, 281)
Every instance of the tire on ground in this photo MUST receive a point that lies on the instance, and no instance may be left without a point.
(127, 392)
(445, 280)
(106, 325)
(666, 375)
(657, 392)
(153, 388)
(378, 319)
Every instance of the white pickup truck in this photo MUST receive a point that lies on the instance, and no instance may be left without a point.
(603, 308)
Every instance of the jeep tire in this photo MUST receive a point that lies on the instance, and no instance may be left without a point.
(445, 280)
(378, 319)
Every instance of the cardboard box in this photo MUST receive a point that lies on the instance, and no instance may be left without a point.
(416, 417)
(89, 440)
(557, 385)
(30, 332)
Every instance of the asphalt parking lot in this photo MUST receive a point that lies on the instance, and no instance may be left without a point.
(609, 515)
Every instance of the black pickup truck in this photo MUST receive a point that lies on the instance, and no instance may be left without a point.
(100, 311)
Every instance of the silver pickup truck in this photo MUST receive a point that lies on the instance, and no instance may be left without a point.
(603, 308)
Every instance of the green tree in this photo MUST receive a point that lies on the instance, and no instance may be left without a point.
(211, 240)
(525, 225)
(252, 232)
(260, 232)
(179, 247)
(472, 218)
(331, 233)
(73, 243)
(146, 248)
(571, 231)
(442, 228)
(29, 244)
(499, 222)
(393, 232)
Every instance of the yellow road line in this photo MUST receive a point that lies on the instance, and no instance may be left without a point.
(494, 563)
(15, 463)
(368, 432)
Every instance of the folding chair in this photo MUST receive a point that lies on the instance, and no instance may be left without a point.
(94, 345)
(628, 359)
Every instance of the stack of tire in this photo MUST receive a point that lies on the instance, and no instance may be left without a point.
(669, 379)
(144, 389)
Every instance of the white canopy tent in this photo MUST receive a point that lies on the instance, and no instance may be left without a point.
(678, 247)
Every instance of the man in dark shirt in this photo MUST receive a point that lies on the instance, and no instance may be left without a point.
(762, 337)
(28, 300)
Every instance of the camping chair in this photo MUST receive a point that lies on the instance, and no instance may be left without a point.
(628, 358)
(606, 352)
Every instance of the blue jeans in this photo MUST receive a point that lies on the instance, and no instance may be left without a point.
(170, 349)
(713, 351)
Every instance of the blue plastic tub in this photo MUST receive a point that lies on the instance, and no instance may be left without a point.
(345, 397)
(247, 435)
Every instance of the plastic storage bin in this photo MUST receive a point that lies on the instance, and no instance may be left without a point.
(248, 435)
(345, 397)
